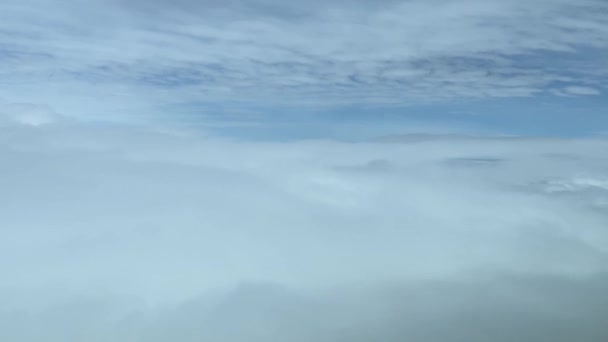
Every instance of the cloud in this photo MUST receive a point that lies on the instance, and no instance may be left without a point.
(114, 230)
(119, 233)
(134, 57)
(577, 90)
(28, 114)
(499, 308)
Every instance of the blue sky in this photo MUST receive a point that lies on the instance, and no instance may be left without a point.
(331, 69)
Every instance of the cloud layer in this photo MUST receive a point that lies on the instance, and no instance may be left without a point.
(119, 233)
(114, 231)
(134, 57)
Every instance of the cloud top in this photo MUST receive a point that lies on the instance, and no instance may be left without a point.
(126, 234)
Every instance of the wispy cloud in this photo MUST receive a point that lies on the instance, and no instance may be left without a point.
(320, 54)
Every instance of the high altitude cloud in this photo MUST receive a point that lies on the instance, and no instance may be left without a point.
(138, 56)
(118, 233)
(117, 226)
(577, 90)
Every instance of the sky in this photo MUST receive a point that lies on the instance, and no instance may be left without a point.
(332, 171)
(256, 68)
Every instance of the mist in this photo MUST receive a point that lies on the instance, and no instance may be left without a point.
(122, 233)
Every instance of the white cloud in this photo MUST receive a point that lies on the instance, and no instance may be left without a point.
(124, 234)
